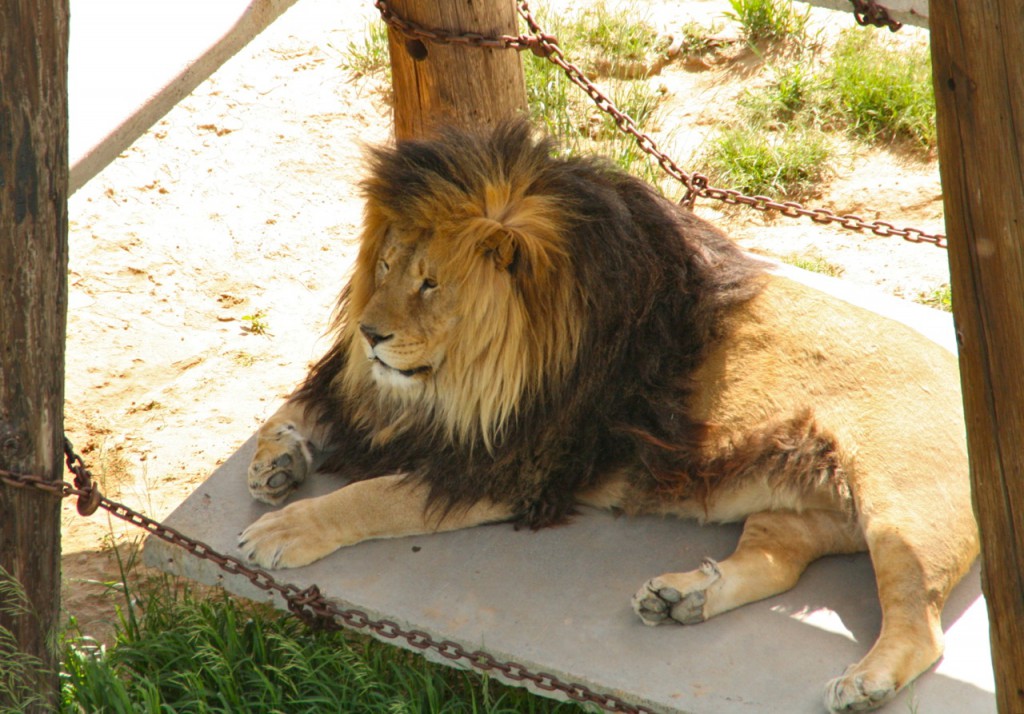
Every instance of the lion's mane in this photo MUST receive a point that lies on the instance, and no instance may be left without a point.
(593, 300)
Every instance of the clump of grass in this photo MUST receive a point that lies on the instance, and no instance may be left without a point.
(256, 323)
(695, 39)
(880, 91)
(940, 298)
(185, 654)
(368, 54)
(814, 262)
(611, 42)
(20, 672)
(789, 163)
(792, 94)
(769, 19)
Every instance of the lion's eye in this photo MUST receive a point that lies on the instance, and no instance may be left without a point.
(427, 285)
(383, 266)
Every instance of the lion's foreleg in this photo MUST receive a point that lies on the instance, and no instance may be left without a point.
(774, 550)
(384, 507)
(287, 446)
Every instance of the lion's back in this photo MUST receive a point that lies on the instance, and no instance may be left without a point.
(890, 395)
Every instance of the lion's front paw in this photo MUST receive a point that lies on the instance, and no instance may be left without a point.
(679, 597)
(280, 464)
(857, 692)
(285, 538)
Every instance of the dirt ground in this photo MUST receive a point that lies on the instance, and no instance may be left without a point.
(206, 258)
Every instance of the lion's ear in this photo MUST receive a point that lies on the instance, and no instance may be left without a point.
(521, 234)
(502, 247)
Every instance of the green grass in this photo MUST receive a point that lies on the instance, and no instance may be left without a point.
(769, 19)
(368, 54)
(791, 95)
(19, 671)
(789, 162)
(940, 298)
(256, 323)
(882, 92)
(178, 653)
(610, 42)
(814, 262)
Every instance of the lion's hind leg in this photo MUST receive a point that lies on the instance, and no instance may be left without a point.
(286, 448)
(774, 550)
(913, 584)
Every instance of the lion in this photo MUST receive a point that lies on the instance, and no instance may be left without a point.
(523, 334)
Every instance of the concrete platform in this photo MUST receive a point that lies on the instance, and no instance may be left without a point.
(557, 600)
(130, 61)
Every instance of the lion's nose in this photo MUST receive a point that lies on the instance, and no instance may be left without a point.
(372, 335)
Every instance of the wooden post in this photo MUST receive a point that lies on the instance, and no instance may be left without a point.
(977, 51)
(469, 86)
(33, 310)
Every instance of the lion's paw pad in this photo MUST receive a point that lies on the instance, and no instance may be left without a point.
(279, 466)
(857, 693)
(659, 601)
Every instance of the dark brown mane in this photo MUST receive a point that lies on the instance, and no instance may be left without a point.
(651, 283)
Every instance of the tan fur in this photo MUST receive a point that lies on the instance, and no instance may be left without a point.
(885, 392)
(827, 428)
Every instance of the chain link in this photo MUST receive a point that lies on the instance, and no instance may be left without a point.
(309, 604)
(546, 45)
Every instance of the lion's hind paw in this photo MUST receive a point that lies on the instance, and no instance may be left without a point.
(678, 597)
(857, 693)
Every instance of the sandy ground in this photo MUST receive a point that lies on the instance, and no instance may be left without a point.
(242, 202)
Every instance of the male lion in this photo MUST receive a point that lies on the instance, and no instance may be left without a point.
(524, 333)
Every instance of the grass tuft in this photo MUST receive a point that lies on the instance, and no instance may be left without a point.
(20, 672)
(815, 262)
(790, 162)
(769, 19)
(940, 298)
(178, 653)
(883, 92)
(369, 54)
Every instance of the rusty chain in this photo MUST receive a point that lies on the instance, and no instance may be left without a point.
(546, 45)
(309, 604)
(868, 12)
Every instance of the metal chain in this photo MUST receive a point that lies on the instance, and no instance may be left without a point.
(868, 12)
(309, 604)
(697, 185)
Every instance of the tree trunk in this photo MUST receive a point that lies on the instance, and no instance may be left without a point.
(33, 311)
(469, 86)
(977, 46)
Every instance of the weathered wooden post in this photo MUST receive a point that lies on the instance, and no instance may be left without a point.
(977, 48)
(469, 86)
(33, 310)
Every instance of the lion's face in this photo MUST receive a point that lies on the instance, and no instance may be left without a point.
(406, 326)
